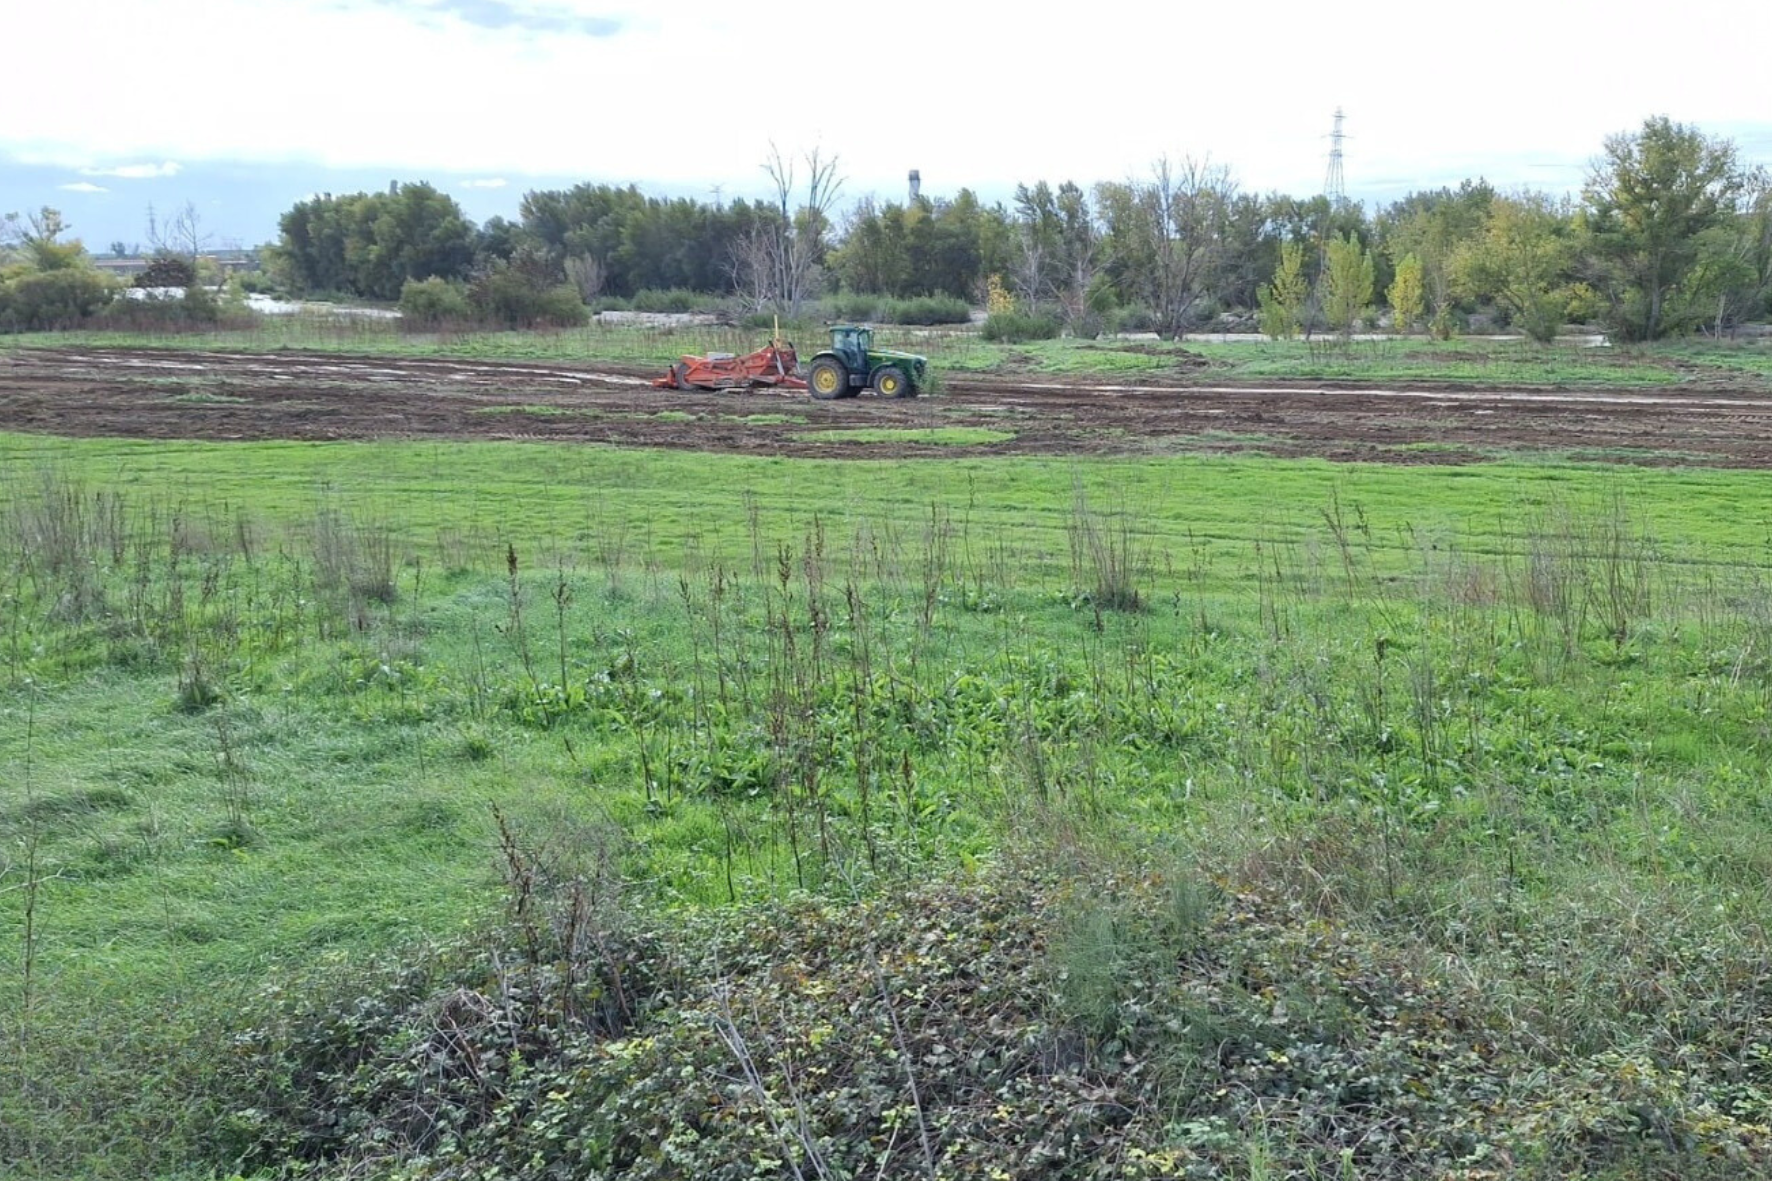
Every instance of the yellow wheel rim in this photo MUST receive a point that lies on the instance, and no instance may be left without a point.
(826, 381)
(889, 385)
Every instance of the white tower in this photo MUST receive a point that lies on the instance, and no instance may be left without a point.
(1335, 184)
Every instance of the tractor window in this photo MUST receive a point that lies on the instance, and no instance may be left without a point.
(865, 338)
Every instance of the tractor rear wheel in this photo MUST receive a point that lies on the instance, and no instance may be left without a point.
(827, 380)
(891, 382)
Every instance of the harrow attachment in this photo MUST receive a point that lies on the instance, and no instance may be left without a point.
(770, 366)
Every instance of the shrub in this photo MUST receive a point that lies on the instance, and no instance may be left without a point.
(51, 300)
(855, 306)
(858, 307)
(257, 283)
(167, 270)
(195, 307)
(1133, 319)
(674, 300)
(559, 307)
(928, 309)
(517, 297)
(1015, 327)
(433, 303)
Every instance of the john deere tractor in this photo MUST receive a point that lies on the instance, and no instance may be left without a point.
(852, 364)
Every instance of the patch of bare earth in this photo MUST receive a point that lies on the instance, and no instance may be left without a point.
(173, 394)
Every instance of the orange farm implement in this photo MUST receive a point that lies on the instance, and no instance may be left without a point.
(771, 365)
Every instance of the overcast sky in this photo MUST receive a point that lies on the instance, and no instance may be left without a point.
(130, 97)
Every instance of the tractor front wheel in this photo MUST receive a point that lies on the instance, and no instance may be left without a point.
(891, 382)
(827, 380)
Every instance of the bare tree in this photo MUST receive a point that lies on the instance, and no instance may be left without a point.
(183, 234)
(1037, 240)
(1192, 205)
(1031, 271)
(798, 242)
(586, 274)
(1081, 250)
(751, 266)
(1170, 234)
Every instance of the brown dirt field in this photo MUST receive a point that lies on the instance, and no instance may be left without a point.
(172, 394)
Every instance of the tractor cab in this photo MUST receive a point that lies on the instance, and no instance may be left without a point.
(853, 343)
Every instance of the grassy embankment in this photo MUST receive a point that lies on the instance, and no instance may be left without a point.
(1743, 365)
(1509, 723)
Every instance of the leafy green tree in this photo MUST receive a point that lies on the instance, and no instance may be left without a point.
(1433, 225)
(1521, 262)
(418, 232)
(1408, 293)
(874, 257)
(1283, 300)
(1348, 283)
(369, 244)
(34, 240)
(1651, 198)
(498, 238)
(1732, 279)
(47, 283)
(1251, 252)
(928, 247)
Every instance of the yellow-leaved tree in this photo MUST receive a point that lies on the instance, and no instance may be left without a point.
(1348, 281)
(1407, 294)
(1282, 301)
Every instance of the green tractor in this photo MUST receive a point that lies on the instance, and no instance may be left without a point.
(853, 364)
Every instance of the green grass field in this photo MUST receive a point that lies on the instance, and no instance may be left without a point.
(261, 706)
(1744, 365)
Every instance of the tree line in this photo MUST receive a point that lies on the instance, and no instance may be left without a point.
(1671, 233)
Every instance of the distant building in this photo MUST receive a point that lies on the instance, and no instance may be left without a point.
(123, 266)
(230, 262)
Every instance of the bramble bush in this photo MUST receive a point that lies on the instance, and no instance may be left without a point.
(517, 297)
(52, 300)
(1015, 327)
(434, 303)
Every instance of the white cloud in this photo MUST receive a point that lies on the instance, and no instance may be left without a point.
(490, 182)
(503, 15)
(969, 94)
(136, 171)
(82, 186)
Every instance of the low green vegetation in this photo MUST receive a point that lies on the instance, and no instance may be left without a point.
(541, 410)
(1284, 805)
(767, 419)
(205, 398)
(1017, 327)
(1744, 365)
(938, 436)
